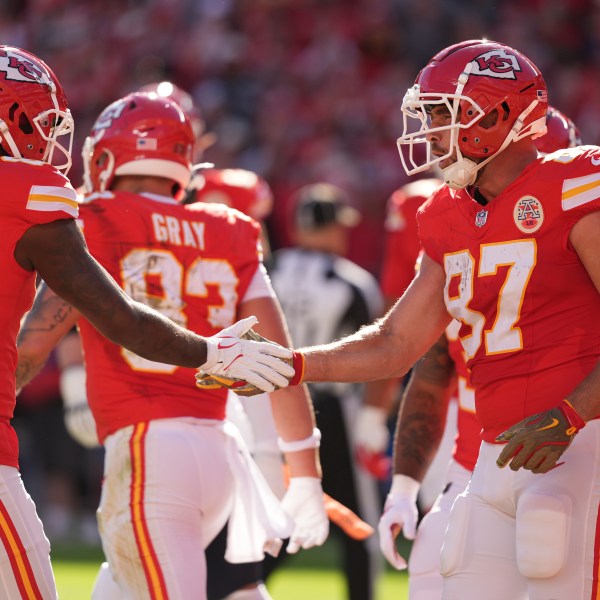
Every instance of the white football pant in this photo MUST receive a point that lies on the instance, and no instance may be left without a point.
(524, 536)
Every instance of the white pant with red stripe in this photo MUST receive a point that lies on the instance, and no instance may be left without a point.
(521, 536)
(169, 487)
(25, 570)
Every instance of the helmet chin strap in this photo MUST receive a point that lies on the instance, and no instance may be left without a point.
(460, 174)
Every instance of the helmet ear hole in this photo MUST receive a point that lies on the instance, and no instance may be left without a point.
(25, 124)
(490, 119)
(12, 110)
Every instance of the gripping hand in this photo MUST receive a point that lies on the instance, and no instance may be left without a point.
(537, 442)
(400, 513)
(303, 501)
(238, 362)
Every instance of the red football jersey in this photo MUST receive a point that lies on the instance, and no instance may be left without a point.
(33, 193)
(468, 434)
(192, 263)
(530, 313)
(402, 245)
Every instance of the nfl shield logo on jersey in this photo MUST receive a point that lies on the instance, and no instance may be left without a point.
(481, 218)
(528, 214)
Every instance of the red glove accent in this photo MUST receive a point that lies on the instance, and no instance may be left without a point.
(567, 409)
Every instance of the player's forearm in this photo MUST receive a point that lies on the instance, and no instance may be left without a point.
(294, 419)
(58, 252)
(149, 334)
(585, 398)
(48, 321)
(291, 407)
(131, 324)
(370, 354)
(26, 370)
(419, 431)
(391, 345)
(422, 415)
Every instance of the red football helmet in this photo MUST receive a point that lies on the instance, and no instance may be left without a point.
(495, 96)
(238, 188)
(166, 89)
(562, 133)
(140, 134)
(33, 110)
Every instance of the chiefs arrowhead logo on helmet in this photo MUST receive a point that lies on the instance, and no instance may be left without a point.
(497, 63)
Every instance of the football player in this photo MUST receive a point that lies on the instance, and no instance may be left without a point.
(402, 245)
(175, 472)
(561, 132)
(252, 195)
(442, 373)
(504, 238)
(40, 236)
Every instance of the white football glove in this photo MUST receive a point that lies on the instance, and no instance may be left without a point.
(79, 420)
(400, 513)
(258, 363)
(370, 429)
(303, 501)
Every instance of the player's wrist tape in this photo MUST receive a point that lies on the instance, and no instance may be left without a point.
(403, 485)
(572, 416)
(299, 363)
(312, 441)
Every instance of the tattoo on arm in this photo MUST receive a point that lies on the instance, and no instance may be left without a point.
(422, 417)
(49, 319)
(46, 315)
(436, 367)
(25, 372)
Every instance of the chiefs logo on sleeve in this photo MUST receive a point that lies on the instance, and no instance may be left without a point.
(496, 63)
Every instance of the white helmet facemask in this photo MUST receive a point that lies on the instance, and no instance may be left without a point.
(415, 149)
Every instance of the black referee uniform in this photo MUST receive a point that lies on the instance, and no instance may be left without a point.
(325, 297)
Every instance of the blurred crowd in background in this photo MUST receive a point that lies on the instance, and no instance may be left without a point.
(298, 91)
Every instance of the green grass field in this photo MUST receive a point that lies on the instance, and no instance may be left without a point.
(310, 575)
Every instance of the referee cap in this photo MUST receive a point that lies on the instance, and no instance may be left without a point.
(322, 204)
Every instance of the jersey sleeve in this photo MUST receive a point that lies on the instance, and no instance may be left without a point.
(48, 197)
(34, 194)
(580, 194)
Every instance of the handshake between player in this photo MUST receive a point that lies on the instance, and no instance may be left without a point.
(241, 360)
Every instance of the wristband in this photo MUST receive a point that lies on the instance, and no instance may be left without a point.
(299, 364)
(312, 441)
(572, 417)
(404, 485)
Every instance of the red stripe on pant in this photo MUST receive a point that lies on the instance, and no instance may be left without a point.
(154, 574)
(17, 556)
(596, 573)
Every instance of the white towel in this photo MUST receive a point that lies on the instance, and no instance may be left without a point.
(257, 523)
